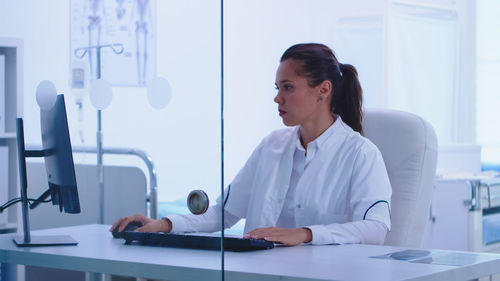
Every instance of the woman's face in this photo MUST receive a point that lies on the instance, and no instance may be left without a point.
(298, 103)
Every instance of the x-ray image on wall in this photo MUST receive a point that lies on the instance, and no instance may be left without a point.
(131, 23)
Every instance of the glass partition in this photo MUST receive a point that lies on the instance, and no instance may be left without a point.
(130, 43)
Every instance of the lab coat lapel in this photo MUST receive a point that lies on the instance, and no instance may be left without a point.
(282, 181)
(271, 186)
(310, 187)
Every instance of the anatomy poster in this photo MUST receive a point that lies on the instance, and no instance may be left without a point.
(125, 33)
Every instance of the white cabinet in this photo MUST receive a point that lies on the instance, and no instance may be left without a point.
(11, 107)
(464, 215)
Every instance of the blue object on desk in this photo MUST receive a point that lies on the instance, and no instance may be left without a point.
(485, 166)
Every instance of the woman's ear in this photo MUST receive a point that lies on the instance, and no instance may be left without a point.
(325, 89)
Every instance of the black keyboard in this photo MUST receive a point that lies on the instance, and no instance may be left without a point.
(193, 241)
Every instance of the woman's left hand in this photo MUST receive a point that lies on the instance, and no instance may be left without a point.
(288, 236)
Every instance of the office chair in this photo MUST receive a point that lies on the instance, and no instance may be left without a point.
(409, 147)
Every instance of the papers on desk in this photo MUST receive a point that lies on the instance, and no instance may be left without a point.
(406, 255)
(454, 259)
(434, 257)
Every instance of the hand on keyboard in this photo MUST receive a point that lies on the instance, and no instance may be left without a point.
(130, 227)
(288, 236)
(147, 224)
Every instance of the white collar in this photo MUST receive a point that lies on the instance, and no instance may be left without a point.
(320, 140)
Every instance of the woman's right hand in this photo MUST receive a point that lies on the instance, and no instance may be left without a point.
(148, 224)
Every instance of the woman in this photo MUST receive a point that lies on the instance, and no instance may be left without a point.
(317, 181)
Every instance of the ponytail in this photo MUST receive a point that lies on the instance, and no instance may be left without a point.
(347, 98)
(320, 64)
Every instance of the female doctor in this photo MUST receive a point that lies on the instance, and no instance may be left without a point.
(317, 181)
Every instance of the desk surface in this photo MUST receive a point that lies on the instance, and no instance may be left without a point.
(97, 251)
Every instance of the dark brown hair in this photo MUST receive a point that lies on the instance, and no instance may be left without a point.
(320, 64)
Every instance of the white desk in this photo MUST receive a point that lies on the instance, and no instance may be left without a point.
(99, 252)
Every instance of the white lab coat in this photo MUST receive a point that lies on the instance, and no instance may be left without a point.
(343, 180)
(341, 184)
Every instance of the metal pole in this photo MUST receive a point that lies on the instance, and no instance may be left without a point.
(80, 53)
(100, 168)
(99, 141)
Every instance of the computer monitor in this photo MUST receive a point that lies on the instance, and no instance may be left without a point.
(59, 165)
(59, 159)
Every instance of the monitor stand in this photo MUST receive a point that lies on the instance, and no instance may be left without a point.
(55, 240)
(27, 240)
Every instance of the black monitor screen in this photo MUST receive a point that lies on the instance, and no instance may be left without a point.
(59, 157)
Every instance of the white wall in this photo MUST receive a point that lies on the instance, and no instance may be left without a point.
(256, 35)
(184, 138)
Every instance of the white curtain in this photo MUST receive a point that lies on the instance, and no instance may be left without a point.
(488, 75)
(422, 67)
(359, 41)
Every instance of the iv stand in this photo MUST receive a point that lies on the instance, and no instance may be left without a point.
(80, 53)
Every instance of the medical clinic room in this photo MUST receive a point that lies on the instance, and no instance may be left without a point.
(147, 140)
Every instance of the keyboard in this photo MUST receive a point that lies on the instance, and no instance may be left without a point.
(203, 241)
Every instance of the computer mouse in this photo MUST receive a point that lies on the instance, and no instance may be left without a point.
(130, 227)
